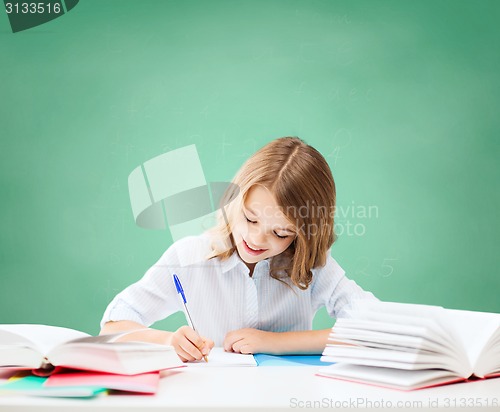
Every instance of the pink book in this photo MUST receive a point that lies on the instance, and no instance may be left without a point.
(145, 383)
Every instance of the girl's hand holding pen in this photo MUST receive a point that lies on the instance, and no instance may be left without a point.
(189, 345)
(186, 341)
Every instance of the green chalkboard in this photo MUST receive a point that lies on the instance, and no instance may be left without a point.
(401, 97)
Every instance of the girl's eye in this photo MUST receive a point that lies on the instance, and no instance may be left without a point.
(281, 237)
(248, 220)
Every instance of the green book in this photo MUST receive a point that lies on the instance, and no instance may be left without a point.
(33, 386)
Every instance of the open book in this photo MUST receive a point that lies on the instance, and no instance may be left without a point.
(406, 346)
(42, 348)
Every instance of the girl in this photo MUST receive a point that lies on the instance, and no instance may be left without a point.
(255, 281)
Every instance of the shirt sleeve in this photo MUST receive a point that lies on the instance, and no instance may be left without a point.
(332, 289)
(151, 298)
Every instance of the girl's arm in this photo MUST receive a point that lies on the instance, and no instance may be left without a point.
(143, 334)
(186, 342)
(277, 343)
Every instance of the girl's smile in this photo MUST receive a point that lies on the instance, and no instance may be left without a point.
(251, 250)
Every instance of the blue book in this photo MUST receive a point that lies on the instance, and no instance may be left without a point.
(289, 360)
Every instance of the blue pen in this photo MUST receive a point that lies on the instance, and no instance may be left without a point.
(178, 286)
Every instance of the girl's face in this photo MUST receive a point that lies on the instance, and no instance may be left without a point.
(261, 230)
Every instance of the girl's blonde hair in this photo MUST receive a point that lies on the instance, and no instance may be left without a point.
(302, 183)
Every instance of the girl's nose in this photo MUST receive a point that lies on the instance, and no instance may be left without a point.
(258, 236)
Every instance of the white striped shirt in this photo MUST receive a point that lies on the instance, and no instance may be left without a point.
(221, 296)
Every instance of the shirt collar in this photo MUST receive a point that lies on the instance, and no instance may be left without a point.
(231, 262)
(235, 260)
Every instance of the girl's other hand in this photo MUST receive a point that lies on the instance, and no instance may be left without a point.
(189, 345)
(250, 341)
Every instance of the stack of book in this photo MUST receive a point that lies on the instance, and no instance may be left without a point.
(54, 361)
(407, 346)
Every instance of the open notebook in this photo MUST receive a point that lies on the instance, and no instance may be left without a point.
(218, 357)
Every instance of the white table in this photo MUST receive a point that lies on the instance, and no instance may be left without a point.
(271, 387)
